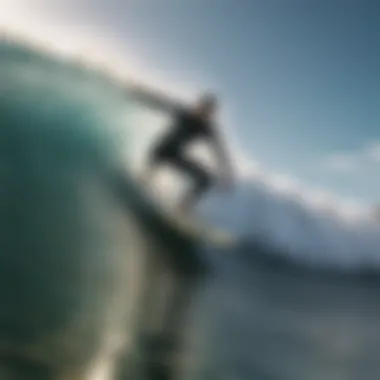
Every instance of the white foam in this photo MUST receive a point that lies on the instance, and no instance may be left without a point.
(300, 224)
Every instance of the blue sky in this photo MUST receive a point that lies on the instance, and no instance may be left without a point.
(300, 78)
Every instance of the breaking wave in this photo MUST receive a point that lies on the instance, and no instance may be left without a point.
(286, 224)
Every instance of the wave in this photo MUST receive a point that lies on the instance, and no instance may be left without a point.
(290, 230)
(283, 226)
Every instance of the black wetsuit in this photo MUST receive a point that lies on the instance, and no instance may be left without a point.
(187, 127)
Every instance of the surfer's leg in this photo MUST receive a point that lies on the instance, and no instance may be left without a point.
(147, 176)
(202, 182)
(155, 159)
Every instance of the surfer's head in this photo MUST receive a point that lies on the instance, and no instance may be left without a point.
(206, 105)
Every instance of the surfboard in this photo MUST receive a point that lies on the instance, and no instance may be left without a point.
(200, 231)
(188, 225)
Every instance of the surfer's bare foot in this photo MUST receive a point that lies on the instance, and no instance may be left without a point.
(180, 211)
(185, 206)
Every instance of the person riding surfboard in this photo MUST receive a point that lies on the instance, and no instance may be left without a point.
(189, 124)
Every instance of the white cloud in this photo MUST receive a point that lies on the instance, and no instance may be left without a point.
(342, 162)
(355, 161)
(373, 152)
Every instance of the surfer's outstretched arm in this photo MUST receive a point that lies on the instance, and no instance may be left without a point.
(223, 157)
(153, 98)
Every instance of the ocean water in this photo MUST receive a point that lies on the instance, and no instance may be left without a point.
(299, 300)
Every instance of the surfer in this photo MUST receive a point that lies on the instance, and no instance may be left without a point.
(188, 124)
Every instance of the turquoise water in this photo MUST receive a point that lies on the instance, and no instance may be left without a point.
(255, 318)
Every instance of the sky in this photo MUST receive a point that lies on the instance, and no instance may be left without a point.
(299, 80)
